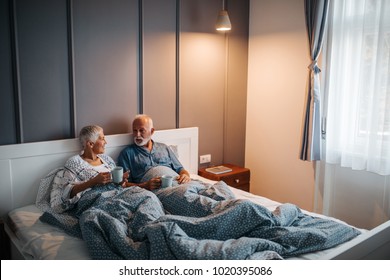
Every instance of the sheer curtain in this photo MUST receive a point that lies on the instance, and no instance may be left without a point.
(357, 85)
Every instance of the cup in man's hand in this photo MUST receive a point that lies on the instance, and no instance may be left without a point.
(166, 181)
(117, 174)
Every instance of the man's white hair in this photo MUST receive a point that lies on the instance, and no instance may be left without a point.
(144, 117)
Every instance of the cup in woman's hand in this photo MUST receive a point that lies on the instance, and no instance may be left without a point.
(166, 181)
(117, 174)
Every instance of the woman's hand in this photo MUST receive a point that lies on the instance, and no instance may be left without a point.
(102, 178)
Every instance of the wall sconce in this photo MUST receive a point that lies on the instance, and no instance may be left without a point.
(223, 21)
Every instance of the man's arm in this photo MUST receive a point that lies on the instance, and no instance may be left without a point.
(184, 176)
(122, 161)
(152, 184)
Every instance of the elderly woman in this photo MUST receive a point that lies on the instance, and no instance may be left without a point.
(83, 190)
(90, 170)
(92, 167)
(82, 172)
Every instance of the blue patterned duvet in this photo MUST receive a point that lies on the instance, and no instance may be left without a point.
(130, 224)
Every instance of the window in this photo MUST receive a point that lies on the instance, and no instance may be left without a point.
(357, 85)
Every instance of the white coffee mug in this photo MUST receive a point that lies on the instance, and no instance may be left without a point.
(117, 174)
(166, 181)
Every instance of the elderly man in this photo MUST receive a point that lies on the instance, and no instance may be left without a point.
(145, 154)
(148, 160)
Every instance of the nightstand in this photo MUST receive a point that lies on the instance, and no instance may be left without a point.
(238, 178)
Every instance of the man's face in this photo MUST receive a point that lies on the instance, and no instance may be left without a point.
(142, 132)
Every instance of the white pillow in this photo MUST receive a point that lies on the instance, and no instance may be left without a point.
(159, 171)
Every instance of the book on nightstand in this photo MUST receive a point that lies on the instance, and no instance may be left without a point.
(218, 169)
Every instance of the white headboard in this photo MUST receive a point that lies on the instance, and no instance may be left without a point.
(23, 165)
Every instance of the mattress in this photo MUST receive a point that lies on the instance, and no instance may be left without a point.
(37, 240)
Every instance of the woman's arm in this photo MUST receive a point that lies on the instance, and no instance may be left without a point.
(101, 178)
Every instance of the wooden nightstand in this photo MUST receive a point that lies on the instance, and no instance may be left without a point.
(238, 178)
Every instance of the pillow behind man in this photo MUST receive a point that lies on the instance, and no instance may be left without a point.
(159, 171)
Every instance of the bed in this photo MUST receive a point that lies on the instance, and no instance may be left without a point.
(22, 166)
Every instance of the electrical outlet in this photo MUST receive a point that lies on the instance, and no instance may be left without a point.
(205, 159)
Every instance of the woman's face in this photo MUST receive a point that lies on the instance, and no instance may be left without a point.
(99, 145)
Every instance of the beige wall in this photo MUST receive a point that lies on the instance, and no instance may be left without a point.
(213, 75)
(277, 73)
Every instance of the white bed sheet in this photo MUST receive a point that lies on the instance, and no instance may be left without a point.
(38, 240)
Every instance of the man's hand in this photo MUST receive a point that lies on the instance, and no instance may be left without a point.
(183, 178)
(153, 184)
(125, 179)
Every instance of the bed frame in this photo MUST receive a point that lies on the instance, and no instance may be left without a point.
(23, 165)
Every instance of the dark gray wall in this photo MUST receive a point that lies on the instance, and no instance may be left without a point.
(8, 122)
(41, 34)
(66, 64)
(159, 61)
(106, 63)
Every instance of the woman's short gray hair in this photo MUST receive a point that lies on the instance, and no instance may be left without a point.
(89, 133)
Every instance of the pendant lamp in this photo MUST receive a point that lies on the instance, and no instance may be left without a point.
(223, 21)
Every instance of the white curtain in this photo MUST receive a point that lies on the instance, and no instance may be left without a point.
(357, 85)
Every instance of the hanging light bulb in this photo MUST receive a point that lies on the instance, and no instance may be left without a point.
(223, 21)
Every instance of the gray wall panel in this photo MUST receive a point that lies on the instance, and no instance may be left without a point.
(43, 62)
(105, 48)
(7, 113)
(159, 62)
(124, 60)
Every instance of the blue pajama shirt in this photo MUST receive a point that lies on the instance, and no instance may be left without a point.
(139, 160)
